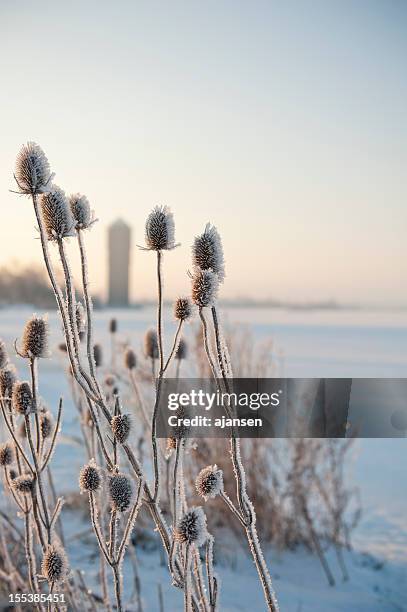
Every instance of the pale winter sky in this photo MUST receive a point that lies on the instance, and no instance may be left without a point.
(283, 123)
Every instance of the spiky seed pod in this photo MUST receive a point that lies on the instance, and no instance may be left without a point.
(183, 309)
(24, 484)
(120, 492)
(22, 398)
(8, 377)
(207, 252)
(32, 172)
(151, 344)
(209, 482)
(182, 350)
(35, 338)
(130, 359)
(46, 424)
(121, 427)
(205, 285)
(80, 318)
(6, 454)
(160, 229)
(113, 326)
(54, 564)
(81, 211)
(90, 478)
(56, 214)
(191, 528)
(98, 355)
(3, 355)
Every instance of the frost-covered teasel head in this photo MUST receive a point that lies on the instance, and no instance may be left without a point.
(56, 214)
(205, 285)
(191, 528)
(32, 171)
(24, 484)
(207, 252)
(121, 427)
(8, 377)
(209, 482)
(98, 355)
(54, 564)
(183, 309)
(22, 398)
(35, 340)
(120, 492)
(182, 350)
(81, 212)
(46, 424)
(6, 454)
(160, 229)
(3, 355)
(151, 344)
(130, 359)
(90, 477)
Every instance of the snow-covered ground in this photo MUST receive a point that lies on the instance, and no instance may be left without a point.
(336, 343)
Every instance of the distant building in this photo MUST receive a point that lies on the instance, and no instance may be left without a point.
(119, 243)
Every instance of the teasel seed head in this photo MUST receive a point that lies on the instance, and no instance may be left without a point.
(56, 214)
(22, 398)
(209, 482)
(90, 477)
(8, 377)
(35, 338)
(207, 252)
(130, 359)
(121, 427)
(120, 492)
(6, 454)
(24, 484)
(182, 350)
(3, 355)
(98, 355)
(81, 212)
(32, 171)
(151, 344)
(54, 564)
(191, 528)
(46, 424)
(183, 309)
(205, 285)
(160, 229)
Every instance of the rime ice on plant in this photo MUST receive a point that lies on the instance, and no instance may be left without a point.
(120, 492)
(121, 427)
(46, 423)
(22, 398)
(183, 309)
(98, 355)
(3, 355)
(32, 171)
(35, 338)
(8, 377)
(24, 484)
(160, 229)
(81, 212)
(56, 214)
(6, 454)
(80, 318)
(151, 344)
(207, 252)
(90, 479)
(130, 359)
(182, 350)
(54, 564)
(209, 482)
(191, 528)
(205, 285)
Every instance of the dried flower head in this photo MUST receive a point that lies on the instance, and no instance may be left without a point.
(46, 424)
(209, 482)
(56, 214)
(8, 377)
(191, 528)
(81, 212)
(54, 564)
(6, 454)
(130, 359)
(90, 478)
(22, 398)
(80, 318)
(151, 344)
(121, 426)
(207, 252)
(204, 287)
(35, 338)
(98, 355)
(113, 326)
(182, 350)
(32, 171)
(24, 484)
(183, 309)
(160, 229)
(3, 355)
(120, 492)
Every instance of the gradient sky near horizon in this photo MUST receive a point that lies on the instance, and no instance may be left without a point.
(283, 123)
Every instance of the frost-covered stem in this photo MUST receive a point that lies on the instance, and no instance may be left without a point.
(34, 386)
(29, 553)
(232, 507)
(95, 420)
(160, 311)
(54, 501)
(117, 586)
(187, 579)
(212, 582)
(15, 439)
(13, 493)
(103, 580)
(97, 528)
(203, 601)
(218, 341)
(113, 535)
(175, 480)
(261, 567)
(129, 525)
(206, 343)
(174, 346)
(156, 465)
(54, 436)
